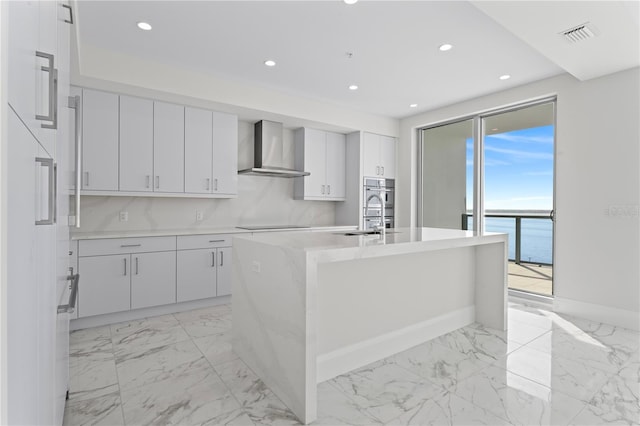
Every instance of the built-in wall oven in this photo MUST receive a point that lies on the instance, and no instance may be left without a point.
(372, 207)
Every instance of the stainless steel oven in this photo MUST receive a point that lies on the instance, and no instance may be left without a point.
(371, 206)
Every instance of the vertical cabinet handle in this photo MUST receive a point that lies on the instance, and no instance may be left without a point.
(70, 20)
(215, 184)
(136, 266)
(377, 170)
(322, 189)
(86, 179)
(75, 102)
(221, 258)
(52, 114)
(208, 184)
(382, 168)
(213, 259)
(51, 191)
(329, 189)
(125, 266)
(157, 182)
(148, 181)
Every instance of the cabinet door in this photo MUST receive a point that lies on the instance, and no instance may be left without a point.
(136, 144)
(225, 153)
(104, 284)
(336, 165)
(46, 92)
(168, 147)
(153, 279)
(22, 35)
(196, 274)
(315, 185)
(198, 152)
(99, 141)
(371, 155)
(224, 283)
(388, 156)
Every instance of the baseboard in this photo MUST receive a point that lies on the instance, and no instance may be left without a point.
(599, 313)
(345, 359)
(136, 314)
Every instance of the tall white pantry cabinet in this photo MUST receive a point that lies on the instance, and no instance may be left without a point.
(36, 172)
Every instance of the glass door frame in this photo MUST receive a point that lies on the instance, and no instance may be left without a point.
(478, 168)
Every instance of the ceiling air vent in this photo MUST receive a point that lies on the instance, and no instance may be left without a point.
(579, 33)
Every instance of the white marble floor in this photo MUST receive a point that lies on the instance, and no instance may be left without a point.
(181, 369)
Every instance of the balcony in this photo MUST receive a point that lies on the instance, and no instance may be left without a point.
(530, 232)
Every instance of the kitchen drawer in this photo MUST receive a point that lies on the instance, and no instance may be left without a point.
(125, 245)
(188, 242)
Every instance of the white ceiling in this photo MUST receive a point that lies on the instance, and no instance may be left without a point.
(395, 62)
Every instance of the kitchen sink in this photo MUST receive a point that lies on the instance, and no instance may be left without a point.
(368, 232)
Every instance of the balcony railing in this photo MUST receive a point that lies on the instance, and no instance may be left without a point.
(518, 216)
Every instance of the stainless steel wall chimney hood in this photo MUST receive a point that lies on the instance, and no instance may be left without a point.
(267, 152)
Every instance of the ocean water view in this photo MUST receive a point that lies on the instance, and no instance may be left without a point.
(536, 238)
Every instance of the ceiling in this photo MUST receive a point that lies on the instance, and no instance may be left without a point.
(388, 48)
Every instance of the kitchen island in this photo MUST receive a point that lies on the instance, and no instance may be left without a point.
(310, 306)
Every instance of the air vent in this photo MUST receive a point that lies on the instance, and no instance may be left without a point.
(579, 33)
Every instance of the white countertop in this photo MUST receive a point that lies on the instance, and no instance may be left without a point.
(396, 240)
(94, 235)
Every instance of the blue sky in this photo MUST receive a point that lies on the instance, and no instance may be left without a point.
(518, 170)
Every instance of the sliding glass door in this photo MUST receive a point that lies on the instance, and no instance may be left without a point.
(496, 170)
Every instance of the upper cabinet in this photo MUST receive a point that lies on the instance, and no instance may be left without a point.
(168, 147)
(135, 146)
(323, 155)
(379, 156)
(99, 141)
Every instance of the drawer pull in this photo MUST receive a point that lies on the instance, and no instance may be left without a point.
(216, 241)
(131, 245)
(213, 259)
(221, 258)
(125, 266)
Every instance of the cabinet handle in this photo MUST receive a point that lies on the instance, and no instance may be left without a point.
(75, 102)
(215, 184)
(157, 182)
(213, 259)
(86, 179)
(125, 266)
(382, 168)
(71, 304)
(216, 241)
(208, 184)
(329, 189)
(130, 245)
(136, 266)
(53, 92)
(221, 258)
(48, 163)
(377, 170)
(322, 189)
(148, 180)
(70, 20)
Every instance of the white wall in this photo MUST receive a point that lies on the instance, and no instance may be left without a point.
(261, 200)
(597, 245)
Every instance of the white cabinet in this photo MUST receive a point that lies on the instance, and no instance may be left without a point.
(153, 279)
(225, 154)
(168, 147)
(105, 284)
(136, 144)
(379, 156)
(198, 150)
(99, 141)
(323, 155)
(204, 266)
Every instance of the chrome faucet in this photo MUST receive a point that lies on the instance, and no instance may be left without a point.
(382, 226)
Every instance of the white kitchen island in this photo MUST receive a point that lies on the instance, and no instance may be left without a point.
(309, 306)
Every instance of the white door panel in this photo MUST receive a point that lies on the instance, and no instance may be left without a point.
(168, 147)
(198, 140)
(136, 144)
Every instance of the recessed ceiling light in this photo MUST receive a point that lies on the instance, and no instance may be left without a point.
(505, 77)
(350, 1)
(494, 129)
(413, 106)
(445, 47)
(353, 87)
(144, 26)
(270, 63)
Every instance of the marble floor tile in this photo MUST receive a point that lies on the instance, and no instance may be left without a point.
(590, 416)
(438, 363)
(582, 347)
(204, 313)
(386, 390)
(568, 376)
(609, 335)
(532, 316)
(335, 408)
(448, 409)
(237, 417)
(516, 399)
(195, 397)
(158, 331)
(631, 370)
(105, 410)
(90, 334)
(479, 342)
(216, 348)
(99, 349)
(90, 379)
(618, 398)
(261, 405)
(207, 326)
(523, 333)
(138, 366)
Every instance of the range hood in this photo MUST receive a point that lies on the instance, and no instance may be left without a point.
(267, 152)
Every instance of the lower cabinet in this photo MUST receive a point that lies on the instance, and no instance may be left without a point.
(203, 273)
(153, 279)
(224, 271)
(106, 284)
